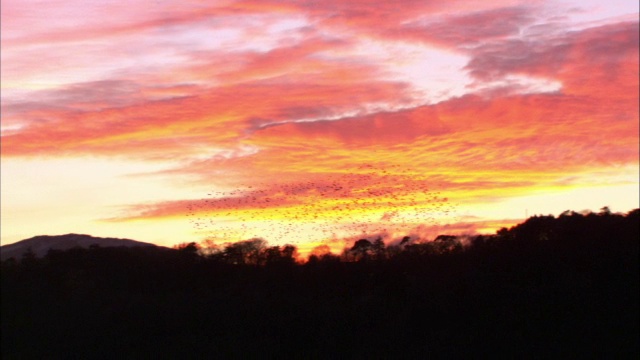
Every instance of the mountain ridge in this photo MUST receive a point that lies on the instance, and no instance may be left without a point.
(41, 244)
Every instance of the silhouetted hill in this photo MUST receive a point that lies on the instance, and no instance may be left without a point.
(40, 245)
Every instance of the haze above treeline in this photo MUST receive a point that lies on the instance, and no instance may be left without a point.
(257, 251)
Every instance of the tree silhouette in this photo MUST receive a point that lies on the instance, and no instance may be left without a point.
(361, 250)
(550, 287)
(188, 248)
(278, 256)
(247, 252)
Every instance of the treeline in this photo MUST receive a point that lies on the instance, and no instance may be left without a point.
(565, 286)
(571, 231)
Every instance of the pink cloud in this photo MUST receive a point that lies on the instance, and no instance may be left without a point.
(377, 129)
(467, 30)
(103, 117)
(608, 53)
(243, 91)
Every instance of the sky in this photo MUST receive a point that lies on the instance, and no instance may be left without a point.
(309, 122)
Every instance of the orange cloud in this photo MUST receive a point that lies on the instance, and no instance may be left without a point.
(288, 97)
(177, 124)
(470, 131)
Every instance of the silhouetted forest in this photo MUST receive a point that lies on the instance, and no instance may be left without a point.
(560, 287)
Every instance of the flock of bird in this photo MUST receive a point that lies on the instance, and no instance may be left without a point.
(364, 200)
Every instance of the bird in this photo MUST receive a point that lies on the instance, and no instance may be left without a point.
(344, 201)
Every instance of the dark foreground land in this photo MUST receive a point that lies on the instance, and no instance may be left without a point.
(565, 287)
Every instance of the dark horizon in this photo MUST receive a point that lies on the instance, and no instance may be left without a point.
(550, 287)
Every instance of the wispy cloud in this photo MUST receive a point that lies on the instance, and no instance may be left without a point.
(253, 92)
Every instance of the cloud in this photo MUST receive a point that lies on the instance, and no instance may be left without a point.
(382, 128)
(304, 87)
(470, 132)
(258, 92)
(460, 142)
(362, 188)
(608, 53)
(320, 206)
(469, 29)
(176, 124)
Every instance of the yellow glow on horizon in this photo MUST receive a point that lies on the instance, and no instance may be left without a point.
(236, 120)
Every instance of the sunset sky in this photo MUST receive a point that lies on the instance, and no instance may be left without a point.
(307, 122)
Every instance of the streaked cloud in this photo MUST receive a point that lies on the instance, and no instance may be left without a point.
(481, 102)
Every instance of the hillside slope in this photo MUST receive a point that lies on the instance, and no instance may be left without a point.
(40, 245)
